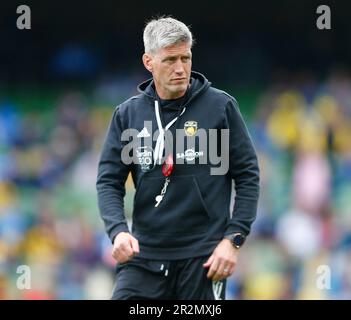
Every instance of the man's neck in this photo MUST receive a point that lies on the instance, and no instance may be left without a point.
(168, 95)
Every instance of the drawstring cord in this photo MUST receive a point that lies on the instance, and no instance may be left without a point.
(160, 142)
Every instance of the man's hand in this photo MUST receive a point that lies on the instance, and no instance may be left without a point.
(222, 261)
(125, 247)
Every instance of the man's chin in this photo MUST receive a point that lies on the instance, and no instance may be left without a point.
(179, 89)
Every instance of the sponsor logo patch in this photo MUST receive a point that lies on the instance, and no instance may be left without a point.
(143, 133)
(190, 154)
(145, 158)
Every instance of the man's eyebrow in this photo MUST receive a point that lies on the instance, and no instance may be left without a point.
(171, 57)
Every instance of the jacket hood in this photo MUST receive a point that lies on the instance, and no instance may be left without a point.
(199, 84)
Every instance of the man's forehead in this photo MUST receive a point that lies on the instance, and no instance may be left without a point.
(176, 49)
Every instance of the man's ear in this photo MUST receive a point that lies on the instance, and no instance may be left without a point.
(147, 61)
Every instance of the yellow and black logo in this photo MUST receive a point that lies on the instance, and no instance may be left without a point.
(190, 128)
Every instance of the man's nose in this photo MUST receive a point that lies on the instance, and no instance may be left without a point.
(179, 68)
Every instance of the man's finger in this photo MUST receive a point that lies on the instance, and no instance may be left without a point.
(119, 256)
(135, 245)
(208, 262)
(213, 268)
(126, 249)
(217, 276)
(222, 272)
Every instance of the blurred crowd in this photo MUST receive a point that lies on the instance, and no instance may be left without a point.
(300, 245)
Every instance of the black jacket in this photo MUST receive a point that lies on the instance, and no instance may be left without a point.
(195, 212)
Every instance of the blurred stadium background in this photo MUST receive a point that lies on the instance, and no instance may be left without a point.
(59, 84)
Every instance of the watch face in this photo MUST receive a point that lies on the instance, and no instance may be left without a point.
(238, 240)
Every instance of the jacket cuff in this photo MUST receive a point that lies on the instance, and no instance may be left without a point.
(231, 229)
(116, 230)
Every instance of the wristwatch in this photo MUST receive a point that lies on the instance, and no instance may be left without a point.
(237, 239)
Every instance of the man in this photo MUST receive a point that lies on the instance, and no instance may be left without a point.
(184, 241)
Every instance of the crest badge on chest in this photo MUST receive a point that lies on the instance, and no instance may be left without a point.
(190, 128)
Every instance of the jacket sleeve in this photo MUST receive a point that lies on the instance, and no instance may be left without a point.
(112, 175)
(243, 168)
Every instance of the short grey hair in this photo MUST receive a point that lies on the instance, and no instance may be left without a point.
(163, 32)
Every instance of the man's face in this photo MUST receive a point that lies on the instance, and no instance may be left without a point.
(171, 70)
